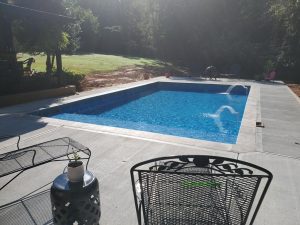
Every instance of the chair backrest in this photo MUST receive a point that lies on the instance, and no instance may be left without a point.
(189, 190)
(32, 156)
(35, 207)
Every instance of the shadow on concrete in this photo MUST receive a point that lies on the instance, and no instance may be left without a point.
(16, 120)
(14, 125)
(29, 107)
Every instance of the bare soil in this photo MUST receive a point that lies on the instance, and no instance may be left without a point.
(122, 76)
(295, 88)
(132, 74)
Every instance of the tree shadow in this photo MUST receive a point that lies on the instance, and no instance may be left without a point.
(163, 68)
(15, 131)
(28, 107)
(16, 120)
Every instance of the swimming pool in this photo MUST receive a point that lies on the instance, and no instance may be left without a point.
(201, 111)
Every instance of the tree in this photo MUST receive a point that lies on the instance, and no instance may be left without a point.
(41, 29)
(84, 32)
(7, 49)
(51, 34)
(229, 34)
(287, 35)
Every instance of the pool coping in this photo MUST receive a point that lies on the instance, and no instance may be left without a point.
(246, 140)
(113, 156)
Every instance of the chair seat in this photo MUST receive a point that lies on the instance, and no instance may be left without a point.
(182, 200)
(35, 155)
(196, 190)
(35, 209)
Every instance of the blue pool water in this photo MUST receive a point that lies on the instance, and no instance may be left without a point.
(207, 115)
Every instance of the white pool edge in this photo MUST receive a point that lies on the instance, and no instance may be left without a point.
(246, 140)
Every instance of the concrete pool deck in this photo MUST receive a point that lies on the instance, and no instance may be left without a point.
(114, 152)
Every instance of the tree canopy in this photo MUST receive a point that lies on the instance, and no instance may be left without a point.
(237, 36)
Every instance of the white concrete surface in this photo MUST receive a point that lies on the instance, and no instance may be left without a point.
(114, 152)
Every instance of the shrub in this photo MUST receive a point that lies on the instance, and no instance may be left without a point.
(41, 81)
(70, 78)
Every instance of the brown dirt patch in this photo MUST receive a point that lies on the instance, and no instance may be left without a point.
(295, 88)
(122, 76)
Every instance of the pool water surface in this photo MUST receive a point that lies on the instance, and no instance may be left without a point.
(211, 115)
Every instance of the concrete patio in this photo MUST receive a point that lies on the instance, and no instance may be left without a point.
(113, 153)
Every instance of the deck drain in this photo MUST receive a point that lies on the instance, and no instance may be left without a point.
(260, 124)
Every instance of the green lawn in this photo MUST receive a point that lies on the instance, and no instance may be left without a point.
(85, 64)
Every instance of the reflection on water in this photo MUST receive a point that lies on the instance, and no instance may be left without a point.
(217, 116)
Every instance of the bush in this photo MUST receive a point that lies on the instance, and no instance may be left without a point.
(42, 81)
(70, 78)
(269, 65)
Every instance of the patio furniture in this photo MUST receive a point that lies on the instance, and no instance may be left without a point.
(28, 63)
(198, 189)
(211, 72)
(34, 208)
(78, 201)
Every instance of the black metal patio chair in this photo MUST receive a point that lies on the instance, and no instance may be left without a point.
(27, 68)
(35, 207)
(198, 190)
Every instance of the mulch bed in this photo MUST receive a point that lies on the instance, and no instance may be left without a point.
(295, 88)
(122, 76)
(132, 74)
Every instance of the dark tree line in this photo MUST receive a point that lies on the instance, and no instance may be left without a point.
(237, 36)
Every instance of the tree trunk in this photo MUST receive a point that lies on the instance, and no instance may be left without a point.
(58, 66)
(58, 62)
(52, 61)
(48, 64)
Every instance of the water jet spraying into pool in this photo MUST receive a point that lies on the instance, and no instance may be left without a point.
(228, 91)
(217, 116)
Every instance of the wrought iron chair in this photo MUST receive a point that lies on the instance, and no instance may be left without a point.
(28, 63)
(198, 189)
(35, 207)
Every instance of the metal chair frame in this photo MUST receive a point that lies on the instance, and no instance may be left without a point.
(202, 166)
(31, 153)
(22, 151)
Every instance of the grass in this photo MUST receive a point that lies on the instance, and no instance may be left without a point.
(92, 63)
